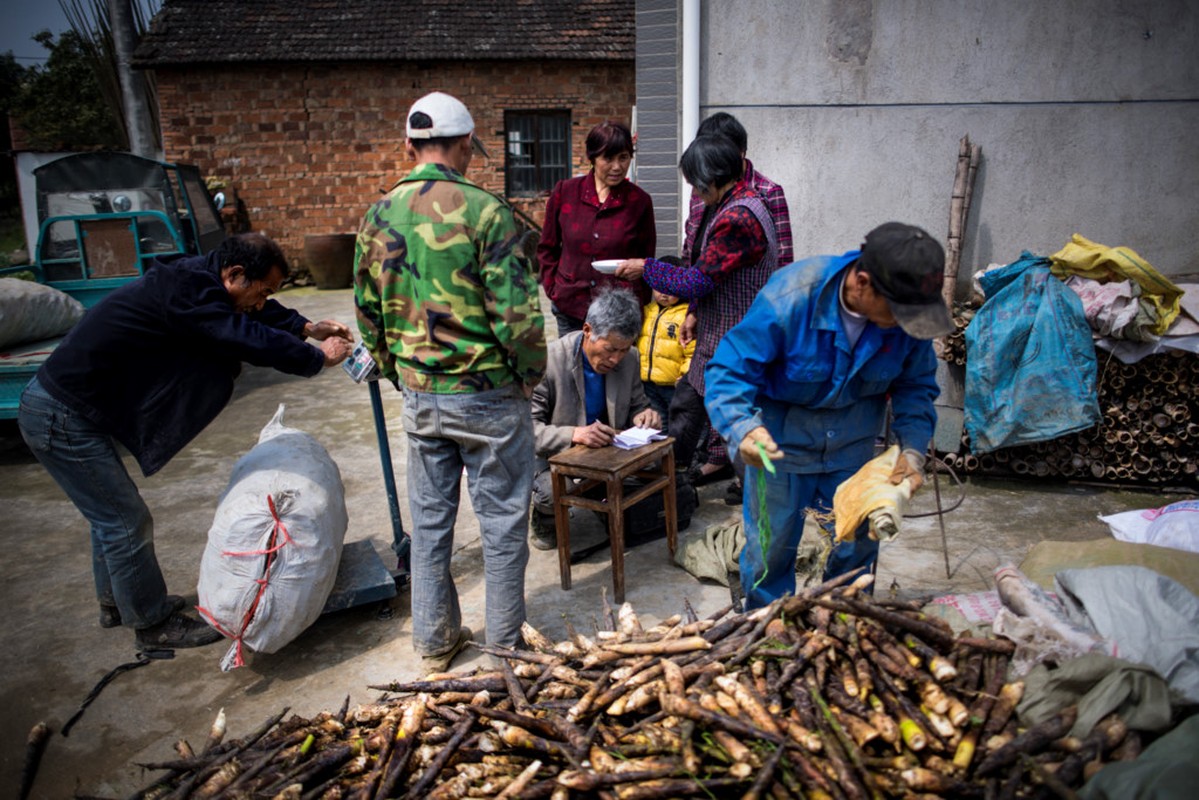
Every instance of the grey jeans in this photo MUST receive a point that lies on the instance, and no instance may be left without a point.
(491, 435)
(543, 491)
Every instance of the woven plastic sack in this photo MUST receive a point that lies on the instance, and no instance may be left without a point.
(275, 543)
(31, 311)
(1030, 362)
(1175, 525)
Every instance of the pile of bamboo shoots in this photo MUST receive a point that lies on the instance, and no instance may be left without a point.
(1149, 433)
(828, 694)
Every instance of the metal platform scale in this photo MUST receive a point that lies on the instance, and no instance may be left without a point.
(362, 577)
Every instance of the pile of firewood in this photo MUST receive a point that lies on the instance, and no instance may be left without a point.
(825, 695)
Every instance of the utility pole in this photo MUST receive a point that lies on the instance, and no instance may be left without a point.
(138, 125)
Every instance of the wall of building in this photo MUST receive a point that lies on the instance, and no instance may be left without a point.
(658, 110)
(308, 148)
(1084, 109)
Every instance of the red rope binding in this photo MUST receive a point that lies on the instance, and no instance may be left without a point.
(274, 546)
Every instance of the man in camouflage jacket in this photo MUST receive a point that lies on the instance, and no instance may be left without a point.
(450, 312)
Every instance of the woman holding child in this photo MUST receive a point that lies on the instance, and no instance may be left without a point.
(736, 252)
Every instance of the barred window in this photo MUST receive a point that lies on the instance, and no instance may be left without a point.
(537, 152)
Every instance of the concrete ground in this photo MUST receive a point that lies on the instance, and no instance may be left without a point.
(54, 651)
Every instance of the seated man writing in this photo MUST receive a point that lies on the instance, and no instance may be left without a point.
(591, 392)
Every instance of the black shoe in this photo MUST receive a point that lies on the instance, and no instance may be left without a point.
(542, 533)
(686, 500)
(110, 615)
(723, 472)
(176, 632)
(733, 494)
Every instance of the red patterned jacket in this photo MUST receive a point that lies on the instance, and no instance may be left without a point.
(579, 230)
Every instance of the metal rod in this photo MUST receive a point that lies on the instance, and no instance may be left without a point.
(399, 539)
(932, 453)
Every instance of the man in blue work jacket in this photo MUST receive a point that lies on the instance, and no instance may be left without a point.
(807, 374)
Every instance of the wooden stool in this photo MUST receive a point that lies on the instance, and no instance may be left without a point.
(610, 466)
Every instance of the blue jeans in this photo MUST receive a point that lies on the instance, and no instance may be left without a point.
(789, 496)
(83, 460)
(491, 435)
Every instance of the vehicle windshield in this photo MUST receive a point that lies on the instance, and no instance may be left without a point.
(109, 213)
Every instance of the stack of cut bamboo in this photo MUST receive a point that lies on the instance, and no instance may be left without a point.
(1149, 433)
(825, 695)
(953, 349)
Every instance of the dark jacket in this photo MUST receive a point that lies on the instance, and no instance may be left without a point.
(154, 362)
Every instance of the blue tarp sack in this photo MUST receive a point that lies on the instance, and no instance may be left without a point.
(1030, 361)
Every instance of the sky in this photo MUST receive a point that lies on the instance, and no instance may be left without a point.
(21, 19)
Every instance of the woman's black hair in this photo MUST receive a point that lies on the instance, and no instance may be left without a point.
(711, 160)
(723, 123)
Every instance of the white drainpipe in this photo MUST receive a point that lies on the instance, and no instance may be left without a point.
(690, 99)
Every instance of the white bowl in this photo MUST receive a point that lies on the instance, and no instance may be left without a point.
(607, 266)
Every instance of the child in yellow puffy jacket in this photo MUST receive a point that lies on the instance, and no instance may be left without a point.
(664, 359)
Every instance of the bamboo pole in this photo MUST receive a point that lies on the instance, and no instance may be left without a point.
(969, 156)
(957, 203)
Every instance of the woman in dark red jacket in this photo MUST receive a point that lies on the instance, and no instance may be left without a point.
(598, 216)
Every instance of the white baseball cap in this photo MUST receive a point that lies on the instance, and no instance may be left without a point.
(449, 116)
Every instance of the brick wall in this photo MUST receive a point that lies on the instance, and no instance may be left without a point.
(308, 148)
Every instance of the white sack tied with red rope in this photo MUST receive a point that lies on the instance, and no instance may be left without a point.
(275, 543)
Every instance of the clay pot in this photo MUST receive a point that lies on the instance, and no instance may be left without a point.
(330, 259)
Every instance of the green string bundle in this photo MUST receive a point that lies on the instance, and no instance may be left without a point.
(763, 511)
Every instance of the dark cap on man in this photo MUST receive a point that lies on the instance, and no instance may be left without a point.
(907, 267)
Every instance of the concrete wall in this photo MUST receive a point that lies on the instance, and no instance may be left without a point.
(1086, 111)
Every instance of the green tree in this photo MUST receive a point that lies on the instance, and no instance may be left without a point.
(12, 75)
(99, 34)
(61, 105)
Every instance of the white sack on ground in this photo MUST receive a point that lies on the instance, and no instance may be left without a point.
(275, 542)
(1175, 525)
(1114, 309)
